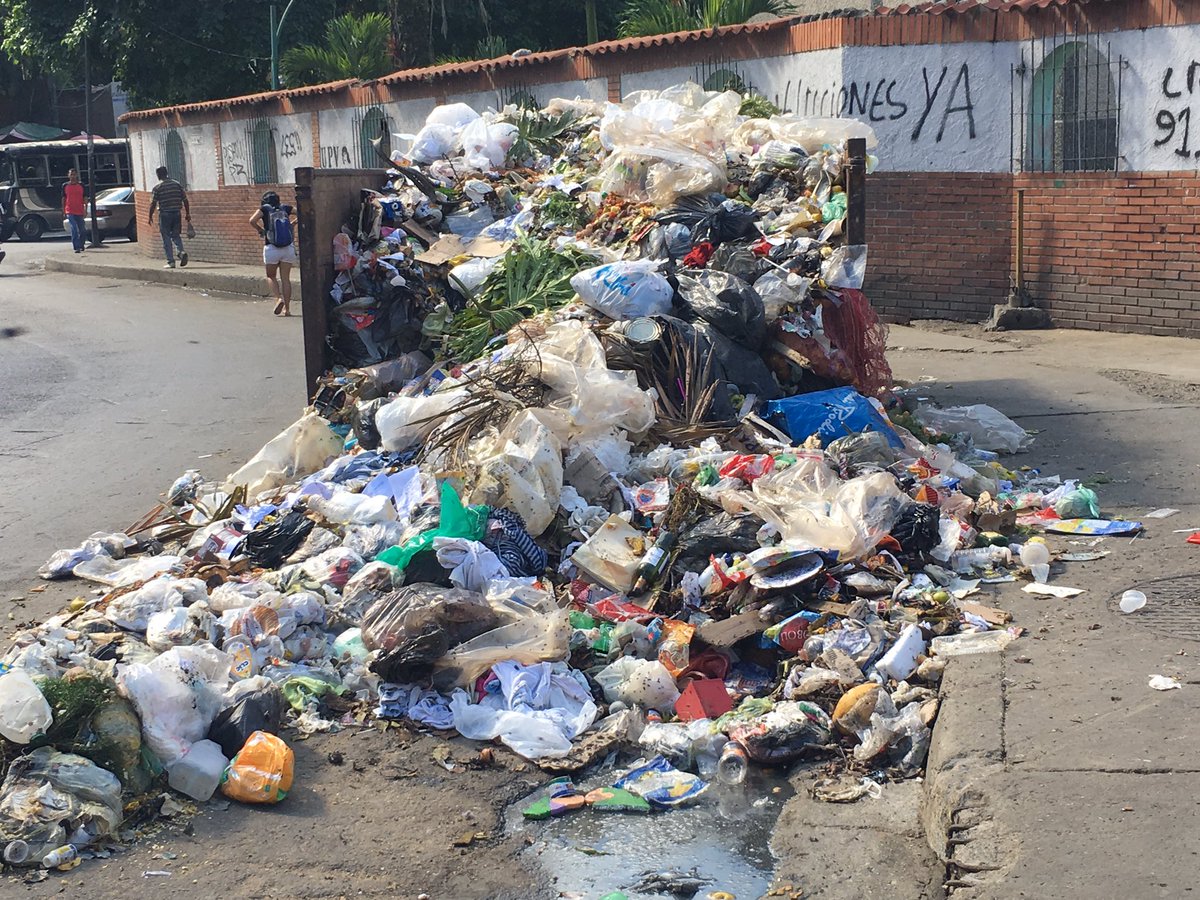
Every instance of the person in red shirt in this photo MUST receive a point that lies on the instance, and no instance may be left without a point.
(73, 209)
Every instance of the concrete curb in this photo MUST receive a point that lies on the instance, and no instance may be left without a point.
(194, 279)
(966, 759)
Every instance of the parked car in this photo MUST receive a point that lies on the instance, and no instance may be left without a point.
(115, 214)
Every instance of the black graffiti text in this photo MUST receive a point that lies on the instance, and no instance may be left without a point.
(335, 155)
(1174, 122)
(291, 145)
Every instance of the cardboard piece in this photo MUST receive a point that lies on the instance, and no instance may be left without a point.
(989, 614)
(451, 246)
(728, 632)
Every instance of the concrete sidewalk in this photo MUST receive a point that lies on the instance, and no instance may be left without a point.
(124, 261)
(1056, 771)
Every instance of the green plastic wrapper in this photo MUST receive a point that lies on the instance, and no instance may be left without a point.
(456, 521)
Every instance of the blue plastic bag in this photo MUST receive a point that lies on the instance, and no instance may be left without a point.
(829, 415)
(661, 784)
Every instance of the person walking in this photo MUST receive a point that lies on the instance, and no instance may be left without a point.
(73, 209)
(275, 221)
(170, 199)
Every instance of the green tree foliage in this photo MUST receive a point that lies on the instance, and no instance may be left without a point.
(643, 17)
(162, 51)
(354, 47)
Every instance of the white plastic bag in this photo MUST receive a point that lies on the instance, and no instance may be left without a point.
(346, 508)
(454, 115)
(177, 695)
(432, 142)
(472, 566)
(988, 428)
(470, 275)
(645, 682)
(625, 290)
(301, 449)
(407, 421)
(23, 710)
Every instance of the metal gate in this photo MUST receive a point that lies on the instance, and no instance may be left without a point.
(373, 128)
(1065, 103)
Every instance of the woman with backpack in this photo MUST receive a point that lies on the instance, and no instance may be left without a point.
(276, 223)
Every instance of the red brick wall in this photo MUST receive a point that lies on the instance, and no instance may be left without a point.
(939, 244)
(1115, 253)
(221, 219)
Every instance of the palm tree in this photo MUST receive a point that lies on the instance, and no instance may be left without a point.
(354, 48)
(643, 17)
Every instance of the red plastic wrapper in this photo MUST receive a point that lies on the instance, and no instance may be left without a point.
(747, 467)
(698, 256)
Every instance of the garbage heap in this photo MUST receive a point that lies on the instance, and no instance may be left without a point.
(611, 461)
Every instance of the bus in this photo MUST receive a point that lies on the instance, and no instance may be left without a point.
(32, 176)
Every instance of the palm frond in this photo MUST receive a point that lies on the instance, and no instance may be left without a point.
(644, 17)
(355, 47)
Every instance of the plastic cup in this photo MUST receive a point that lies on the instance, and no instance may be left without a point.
(1132, 601)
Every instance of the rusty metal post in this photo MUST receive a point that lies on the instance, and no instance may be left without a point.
(312, 283)
(856, 191)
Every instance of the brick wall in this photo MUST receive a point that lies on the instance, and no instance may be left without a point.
(940, 244)
(1115, 253)
(221, 219)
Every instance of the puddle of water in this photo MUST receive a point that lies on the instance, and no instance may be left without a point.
(725, 836)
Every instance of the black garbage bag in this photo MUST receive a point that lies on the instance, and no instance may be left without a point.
(261, 710)
(714, 535)
(738, 261)
(916, 529)
(743, 368)
(712, 218)
(362, 420)
(412, 659)
(727, 302)
(270, 544)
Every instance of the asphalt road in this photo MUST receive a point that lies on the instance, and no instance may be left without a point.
(113, 389)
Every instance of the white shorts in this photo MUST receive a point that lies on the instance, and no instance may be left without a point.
(273, 255)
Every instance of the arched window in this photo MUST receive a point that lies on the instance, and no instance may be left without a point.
(1073, 111)
(262, 153)
(374, 130)
(174, 157)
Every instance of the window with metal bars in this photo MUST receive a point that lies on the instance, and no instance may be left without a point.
(172, 154)
(1069, 118)
(374, 128)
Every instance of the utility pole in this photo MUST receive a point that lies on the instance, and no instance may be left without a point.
(91, 147)
(277, 27)
(593, 29)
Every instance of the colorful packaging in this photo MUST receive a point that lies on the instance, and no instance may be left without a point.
(262, 770)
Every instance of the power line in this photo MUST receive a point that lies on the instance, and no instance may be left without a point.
(180, 37)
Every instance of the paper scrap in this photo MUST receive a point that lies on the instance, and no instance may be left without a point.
(1163, 683)
(1165, 513)
(1053, 590)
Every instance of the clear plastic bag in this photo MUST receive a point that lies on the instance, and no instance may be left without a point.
(416, 609)
(644, 682)
(302, 448)
(988, 428)
(48, 797)
(529, 640)
(524, 473)
(406, 421)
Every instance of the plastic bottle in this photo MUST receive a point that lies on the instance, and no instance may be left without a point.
(23, 710)
(16, 852)
(241, 653)
(979, 558)
(59, 856)
(199, 772)
(733, 765)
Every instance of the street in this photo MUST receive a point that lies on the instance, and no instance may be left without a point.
(115, 388)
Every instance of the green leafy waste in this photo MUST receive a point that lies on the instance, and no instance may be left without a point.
(531, 278)
(539, 132)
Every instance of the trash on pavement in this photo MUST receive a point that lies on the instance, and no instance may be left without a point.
(609, 463)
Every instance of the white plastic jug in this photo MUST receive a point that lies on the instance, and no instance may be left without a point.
(901, 659)
(23, 710)
(199, 771)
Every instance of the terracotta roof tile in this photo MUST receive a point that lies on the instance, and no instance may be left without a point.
(955, 7)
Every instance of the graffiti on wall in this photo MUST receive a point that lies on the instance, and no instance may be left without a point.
(291, 144)
(937, 105)
(233, 159)
(335, 156)
(1173, 116)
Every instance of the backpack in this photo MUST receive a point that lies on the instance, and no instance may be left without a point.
(278, 225)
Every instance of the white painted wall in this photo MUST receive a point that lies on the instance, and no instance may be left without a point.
(199, 142)
(934, 108)
(293, 144)
(137, 158)
(1160, 97)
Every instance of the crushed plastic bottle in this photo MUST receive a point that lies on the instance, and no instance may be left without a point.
(733, 765)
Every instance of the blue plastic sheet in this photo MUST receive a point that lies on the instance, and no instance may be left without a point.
(830, 415)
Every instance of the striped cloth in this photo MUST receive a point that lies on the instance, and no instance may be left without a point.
(168, 193)
(507, 537)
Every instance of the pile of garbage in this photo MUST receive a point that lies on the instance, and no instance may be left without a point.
(611, 461)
